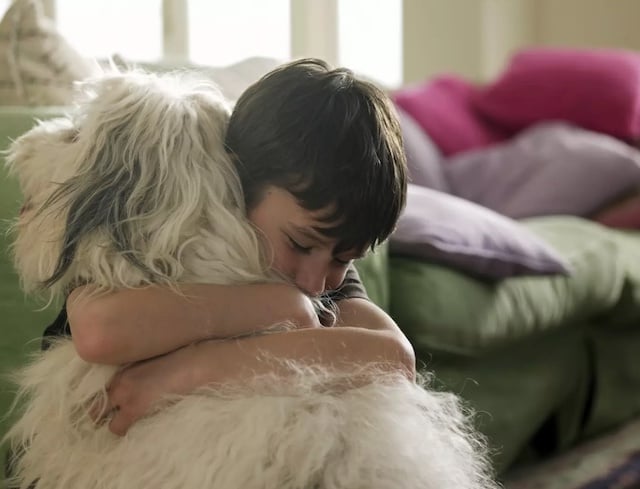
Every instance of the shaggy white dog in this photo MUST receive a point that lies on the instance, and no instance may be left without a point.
(133, 188)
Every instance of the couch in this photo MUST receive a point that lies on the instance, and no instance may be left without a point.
(544, 361)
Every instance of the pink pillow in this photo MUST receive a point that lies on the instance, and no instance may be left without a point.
(624, 215)
(598, 89)
(443, 108)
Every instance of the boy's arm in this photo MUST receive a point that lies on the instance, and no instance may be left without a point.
(135, 324)
(135, 389)
(361, 313)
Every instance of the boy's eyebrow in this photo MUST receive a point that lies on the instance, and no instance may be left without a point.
(312, 234)
(356, 256)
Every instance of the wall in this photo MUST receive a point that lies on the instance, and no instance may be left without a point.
(476, 37)
(611, 23)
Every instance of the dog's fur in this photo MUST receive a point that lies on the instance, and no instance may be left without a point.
(133, 188)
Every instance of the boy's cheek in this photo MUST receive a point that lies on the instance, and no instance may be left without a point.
(282, 262)
(335, 279)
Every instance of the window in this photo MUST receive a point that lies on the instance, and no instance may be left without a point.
(370, 39)
(222, 32)
(363, 35)
(132, 29)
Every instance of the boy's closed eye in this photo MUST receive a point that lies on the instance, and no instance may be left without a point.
(343, 261)
(298, 246)
(303, 240)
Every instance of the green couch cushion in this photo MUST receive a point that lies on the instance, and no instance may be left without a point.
(614, 342)
(442, 309)
(514, 393)
(21, 320)
(533, 352)
(616, 376)
(374, 273)
(16, 120)
(627, 310)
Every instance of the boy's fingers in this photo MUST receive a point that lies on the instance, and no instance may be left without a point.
(119, 424)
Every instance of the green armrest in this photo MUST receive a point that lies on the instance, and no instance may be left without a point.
(22, 320)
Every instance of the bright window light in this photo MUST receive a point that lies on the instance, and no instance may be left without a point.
(222, 32)
(4, 6)
(370, 39)
(130, 28)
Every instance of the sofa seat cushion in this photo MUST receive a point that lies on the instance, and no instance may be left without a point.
(616, 376)
(614, 344)
(515, 393)
(442, 309)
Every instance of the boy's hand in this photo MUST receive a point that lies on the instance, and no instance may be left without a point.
(135, 390)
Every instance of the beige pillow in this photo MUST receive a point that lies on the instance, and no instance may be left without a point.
(232, 79)
(37, 65)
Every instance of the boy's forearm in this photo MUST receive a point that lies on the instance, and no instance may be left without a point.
(136, 324)
(362, 313)
(345, 349)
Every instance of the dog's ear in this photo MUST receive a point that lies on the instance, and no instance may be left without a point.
(149, 148)
(39, 159)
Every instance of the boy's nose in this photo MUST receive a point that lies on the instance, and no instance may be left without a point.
(311, 280)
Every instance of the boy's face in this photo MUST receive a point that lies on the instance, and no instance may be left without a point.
(300, 253)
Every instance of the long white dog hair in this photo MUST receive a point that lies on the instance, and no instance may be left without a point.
(135, 187)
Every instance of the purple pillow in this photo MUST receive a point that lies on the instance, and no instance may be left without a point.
(443, 108)
(551, 168)
(598, 89)
(450, 231)
(424, 159)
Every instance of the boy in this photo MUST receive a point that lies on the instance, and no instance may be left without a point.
(320, 157)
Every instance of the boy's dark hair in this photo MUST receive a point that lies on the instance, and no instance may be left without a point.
(330, 139)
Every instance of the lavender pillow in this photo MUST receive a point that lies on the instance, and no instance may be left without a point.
(424, 159)
(551, 168)
(450, 231)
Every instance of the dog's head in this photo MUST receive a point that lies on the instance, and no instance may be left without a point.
(134, 186)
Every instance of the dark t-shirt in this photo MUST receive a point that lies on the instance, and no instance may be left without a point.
(351, 288)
